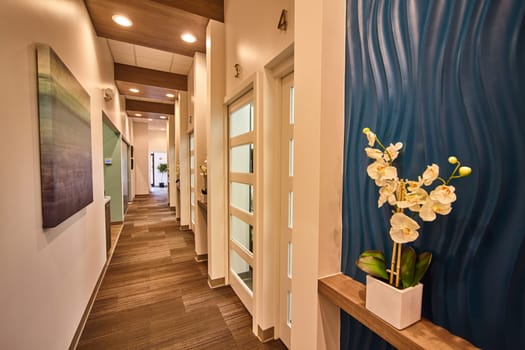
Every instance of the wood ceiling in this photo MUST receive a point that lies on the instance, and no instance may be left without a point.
(157, 24)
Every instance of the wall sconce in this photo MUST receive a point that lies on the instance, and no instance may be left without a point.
(237, 70)
(108, 94)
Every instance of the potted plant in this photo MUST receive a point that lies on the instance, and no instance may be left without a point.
(162, 168)
(395, 294)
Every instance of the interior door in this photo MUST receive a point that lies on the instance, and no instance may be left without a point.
(287, 170)
(241, 145)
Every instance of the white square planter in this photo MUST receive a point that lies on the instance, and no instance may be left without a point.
(398, 307)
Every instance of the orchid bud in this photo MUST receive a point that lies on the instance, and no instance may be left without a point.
(366, 130)
(452, 160)
(465, 171)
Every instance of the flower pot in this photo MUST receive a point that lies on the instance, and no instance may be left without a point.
(398, 307)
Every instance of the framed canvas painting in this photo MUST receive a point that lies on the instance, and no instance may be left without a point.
(65, 139)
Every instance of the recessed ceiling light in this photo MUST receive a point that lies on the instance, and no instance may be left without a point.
(170, 95)
(163, 117)
(134, 90)
(150, 119)
(138, 115)
(189, 38)
(122, 20)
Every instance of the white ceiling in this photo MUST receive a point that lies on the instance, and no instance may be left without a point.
(145, 57)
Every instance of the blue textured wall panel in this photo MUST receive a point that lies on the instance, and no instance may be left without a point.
(445, 78)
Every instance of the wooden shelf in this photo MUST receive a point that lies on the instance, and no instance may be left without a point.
(349, 295)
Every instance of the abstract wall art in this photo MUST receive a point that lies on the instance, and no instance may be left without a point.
(65, 139)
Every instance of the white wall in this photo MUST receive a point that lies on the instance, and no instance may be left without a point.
(252, 37)
(47, 276)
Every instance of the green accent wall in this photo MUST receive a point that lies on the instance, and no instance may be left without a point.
(112, 176)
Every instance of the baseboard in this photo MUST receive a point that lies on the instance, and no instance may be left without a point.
(216, 283)
(201, 257)
(184, 227)
(89, 306)
(265, 335)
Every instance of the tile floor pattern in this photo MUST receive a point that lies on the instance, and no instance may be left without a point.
(156, 296)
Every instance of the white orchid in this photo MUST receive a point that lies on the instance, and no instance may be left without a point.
(374, 153)
(381, 172)
(403, 229)
(405, 194)
(430, 208)
(443, 194)
(387, 193)
(392, 151)
(430, 174)
(370, 136)
(413, 200)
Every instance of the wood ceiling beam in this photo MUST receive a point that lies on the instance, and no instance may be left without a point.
(213, 9)
(146, 106)
(145, 76)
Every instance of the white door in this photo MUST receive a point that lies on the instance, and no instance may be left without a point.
(286, 227)
(241, 211)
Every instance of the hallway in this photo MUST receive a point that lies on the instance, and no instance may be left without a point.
(156, 296)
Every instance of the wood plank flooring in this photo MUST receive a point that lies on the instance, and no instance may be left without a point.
(156, 296)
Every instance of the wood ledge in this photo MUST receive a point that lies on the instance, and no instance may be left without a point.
(349, 295)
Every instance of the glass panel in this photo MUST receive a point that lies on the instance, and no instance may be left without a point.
(192, 215)
(290, 209)
(290, 157)
(192, 180)
(289, 259)
(192, 162)
(241, 159)
(292, 109)
(241, 196)
(241, 121)
(241, 268)
(192, 142)
(192, 198)
(289, 309)
(241, 232)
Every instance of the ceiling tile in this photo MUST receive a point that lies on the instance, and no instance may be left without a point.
(162, 65)
(121, 47)
(149, 53)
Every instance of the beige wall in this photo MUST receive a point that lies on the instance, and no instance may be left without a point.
(319, 110)
(141, 156)
(252, 37)
(157, 141)
(47, 276)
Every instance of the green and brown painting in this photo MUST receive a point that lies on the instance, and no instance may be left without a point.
(65, 139)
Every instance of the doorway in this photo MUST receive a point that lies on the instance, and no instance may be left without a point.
(287, 200)
(241, 180)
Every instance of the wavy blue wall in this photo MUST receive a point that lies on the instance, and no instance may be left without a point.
(443, 77)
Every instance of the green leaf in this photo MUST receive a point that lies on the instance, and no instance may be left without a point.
(372, 266)
(375, 253)
(422, 264)
(408, 264)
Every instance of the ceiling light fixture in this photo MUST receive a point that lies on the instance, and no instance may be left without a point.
(150, 119)
(138, 115)
(122, 20)
(134, 90)
(170, 95)
(163, 117)
(189, 38)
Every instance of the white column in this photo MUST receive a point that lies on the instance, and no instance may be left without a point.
(216, 137)
(200, 109)
(319, 122)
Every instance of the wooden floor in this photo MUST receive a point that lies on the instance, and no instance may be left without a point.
(156, 296)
